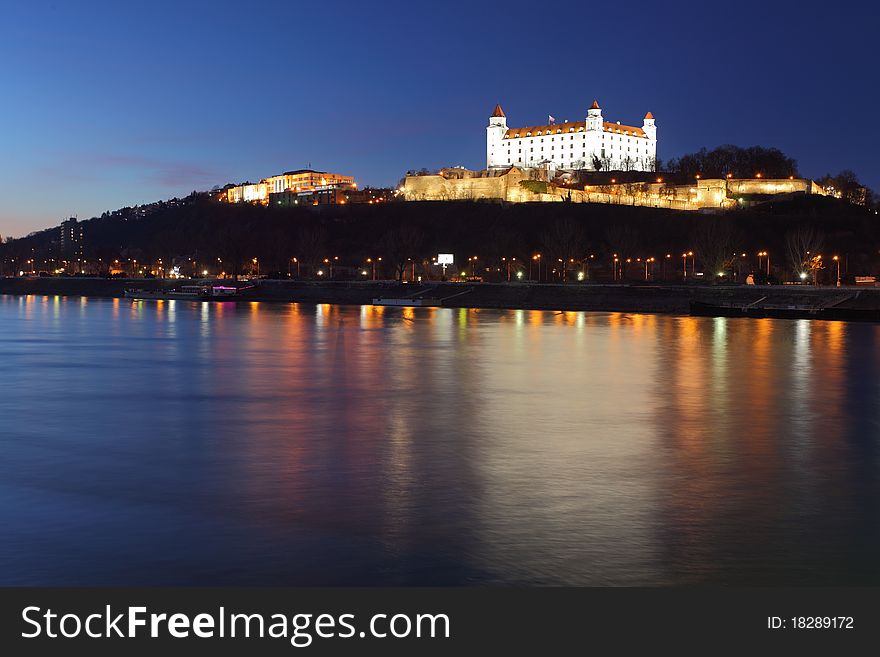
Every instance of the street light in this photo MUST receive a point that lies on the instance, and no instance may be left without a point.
(473, 261)
(507, 262)
(764, 254)
(837, 260)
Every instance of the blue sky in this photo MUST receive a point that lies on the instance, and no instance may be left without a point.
(106, 104)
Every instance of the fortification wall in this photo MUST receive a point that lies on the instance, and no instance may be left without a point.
(773, 186)
(703, 194)
(439, 188)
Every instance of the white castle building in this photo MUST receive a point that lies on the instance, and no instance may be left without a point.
(591, 144)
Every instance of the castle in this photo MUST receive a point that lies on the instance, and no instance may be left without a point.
(541, 164)
(592, 144)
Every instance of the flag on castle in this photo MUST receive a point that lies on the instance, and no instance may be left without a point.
(551, 119)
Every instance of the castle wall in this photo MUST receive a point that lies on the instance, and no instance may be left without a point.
(773, 186)
(440, 188)
(703, 194)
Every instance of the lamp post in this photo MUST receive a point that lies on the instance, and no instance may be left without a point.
(684, 257)
(764, 254)
(473, 261)
(837, 260)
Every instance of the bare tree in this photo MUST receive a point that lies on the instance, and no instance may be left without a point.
(623, 239)
(234, 242)
(400, 246)
(565, 241)
(715, 242)
(803, 246)
(310, 246)
(504, 244)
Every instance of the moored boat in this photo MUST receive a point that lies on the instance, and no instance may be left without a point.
(785, 311)
(185, 293)
(426, 302)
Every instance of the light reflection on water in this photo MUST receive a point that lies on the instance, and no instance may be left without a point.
(181, 443)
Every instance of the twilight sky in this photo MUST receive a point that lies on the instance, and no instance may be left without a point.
(107, 104)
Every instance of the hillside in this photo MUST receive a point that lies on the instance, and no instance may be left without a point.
(207, 231)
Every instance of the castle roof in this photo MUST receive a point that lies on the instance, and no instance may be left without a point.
(649, 116)
(498, 111)
(572, 126)
(595, 105)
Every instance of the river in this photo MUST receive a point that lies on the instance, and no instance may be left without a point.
(160, 443)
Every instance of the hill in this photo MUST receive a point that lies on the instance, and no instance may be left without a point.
(206, 233)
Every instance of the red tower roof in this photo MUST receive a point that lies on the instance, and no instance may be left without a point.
(649, 116)
(595, 105)
(498, 111)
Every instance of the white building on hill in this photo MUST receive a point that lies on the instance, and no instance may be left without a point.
(592, 144)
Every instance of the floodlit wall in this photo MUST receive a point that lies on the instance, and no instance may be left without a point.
(466, 188)
(516, 187)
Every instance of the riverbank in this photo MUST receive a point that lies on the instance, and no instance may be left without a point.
(657, 298)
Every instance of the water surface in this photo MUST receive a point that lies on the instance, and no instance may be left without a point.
(188, 443)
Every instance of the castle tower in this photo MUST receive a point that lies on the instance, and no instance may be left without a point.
(649, 127)
(593, 135)
(594, 117)
(494, 134)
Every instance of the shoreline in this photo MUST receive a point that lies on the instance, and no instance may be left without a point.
(674, 299)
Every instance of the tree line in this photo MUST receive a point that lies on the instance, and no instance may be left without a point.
(570, 237)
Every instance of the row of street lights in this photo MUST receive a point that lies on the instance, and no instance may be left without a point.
(509, 263)
(537, 259)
